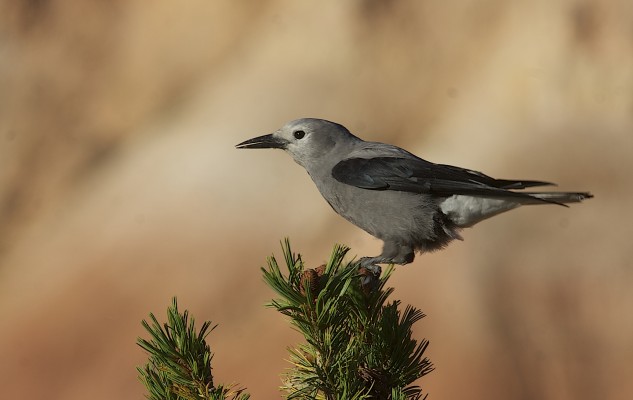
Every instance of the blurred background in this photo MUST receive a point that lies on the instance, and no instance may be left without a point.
(120, 186)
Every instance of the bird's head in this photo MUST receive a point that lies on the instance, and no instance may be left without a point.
(307, 140)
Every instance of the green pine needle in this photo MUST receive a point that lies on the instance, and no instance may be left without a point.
(179, 366)
(358, 345)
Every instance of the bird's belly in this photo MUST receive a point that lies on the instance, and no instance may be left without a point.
(385, 214)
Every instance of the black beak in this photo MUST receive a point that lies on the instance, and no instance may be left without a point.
(263, 142)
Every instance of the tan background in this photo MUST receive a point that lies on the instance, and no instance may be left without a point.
(120, 186)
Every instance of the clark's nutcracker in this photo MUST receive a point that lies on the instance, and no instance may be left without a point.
(409, 203)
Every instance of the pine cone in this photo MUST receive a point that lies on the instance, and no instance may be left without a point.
(309, 281)
(320, 270)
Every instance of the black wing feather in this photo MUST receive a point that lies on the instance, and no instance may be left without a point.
(420, 176)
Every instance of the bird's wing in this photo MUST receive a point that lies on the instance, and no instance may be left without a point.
(420, 176)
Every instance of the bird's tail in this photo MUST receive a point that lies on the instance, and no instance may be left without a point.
(561, 198)
(465, 211)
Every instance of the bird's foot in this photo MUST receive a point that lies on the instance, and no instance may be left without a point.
(375, 269)
(371, 262)
(369, 272)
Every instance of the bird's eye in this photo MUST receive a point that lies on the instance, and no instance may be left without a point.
(299, 134)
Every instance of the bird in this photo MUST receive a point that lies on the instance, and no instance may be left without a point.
(412, 205)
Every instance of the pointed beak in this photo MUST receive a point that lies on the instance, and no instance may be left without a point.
(263, 142)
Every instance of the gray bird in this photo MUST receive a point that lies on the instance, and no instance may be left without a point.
(411, 204)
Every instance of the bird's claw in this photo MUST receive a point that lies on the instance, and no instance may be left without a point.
(369, 276)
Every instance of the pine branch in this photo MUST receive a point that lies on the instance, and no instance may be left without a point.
(179, 366)
(358, 346)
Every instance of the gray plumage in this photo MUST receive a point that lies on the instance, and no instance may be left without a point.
(411, 204)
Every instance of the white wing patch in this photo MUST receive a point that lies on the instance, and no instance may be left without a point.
(466, 211)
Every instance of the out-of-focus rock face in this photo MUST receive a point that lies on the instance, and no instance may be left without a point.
(120, 186)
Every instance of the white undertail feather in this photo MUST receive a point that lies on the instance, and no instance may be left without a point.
(466, 211)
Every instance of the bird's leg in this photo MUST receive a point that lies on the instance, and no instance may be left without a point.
(392, 253)
(395, 253)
